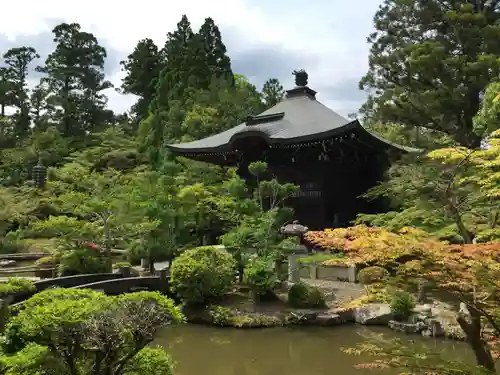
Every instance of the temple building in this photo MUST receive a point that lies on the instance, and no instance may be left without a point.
(332, 159)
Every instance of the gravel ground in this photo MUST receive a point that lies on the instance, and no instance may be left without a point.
(337, 293)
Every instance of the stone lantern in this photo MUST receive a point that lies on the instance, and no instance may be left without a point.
(294, 230)
(39, 174)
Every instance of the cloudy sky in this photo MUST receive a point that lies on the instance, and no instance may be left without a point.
(265, 38)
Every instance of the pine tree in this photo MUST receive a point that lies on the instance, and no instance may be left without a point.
(217, 59)
(18, 61)
(196, 64)
(5, 90)
(272, 92)
(41, 108)
(430, 61)
(75, 76)
(173, 79)
(142, 67)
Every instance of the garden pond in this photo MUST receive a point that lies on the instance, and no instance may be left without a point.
(198, 349)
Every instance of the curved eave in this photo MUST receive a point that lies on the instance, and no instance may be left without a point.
(387, 143)
(227, 148)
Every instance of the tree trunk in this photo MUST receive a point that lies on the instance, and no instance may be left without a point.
(4, 312)
(467, 139)
(151, 266)
(472, 329)
(459, 223)
(107, 244)
(421, 297)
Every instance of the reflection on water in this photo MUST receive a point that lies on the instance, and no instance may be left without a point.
(281, 351)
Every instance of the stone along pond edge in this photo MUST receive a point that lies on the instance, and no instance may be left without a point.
(427, 320)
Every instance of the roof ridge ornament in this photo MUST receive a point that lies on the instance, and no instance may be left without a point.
(301, 88)
(301, 77)
(260, 119)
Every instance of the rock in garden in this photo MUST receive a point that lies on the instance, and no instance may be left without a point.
(407, 327)
(434, 327)
(346, 315)
(425, 309)
(373, 314)
(328, 319)
(7, 263)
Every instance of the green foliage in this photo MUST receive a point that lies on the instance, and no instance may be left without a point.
(402, 305)
(417, 79)
(226, 317)
(17, 61)
(260, 218)
(48, 261)
(75, 74)
(201, 274)
(486, 119)
(8, 246)
(31, 360)
(136, 252)
(60, 321)
(142, 68)
(372, 275)
(119, 265)
(302, 295)
(260, 276)
(49, 296)
(16, 285)
(150, 361)
(319, 258)
(81, 262)
(408, 135)
(220, 315)
(272, 92)
(449, 192)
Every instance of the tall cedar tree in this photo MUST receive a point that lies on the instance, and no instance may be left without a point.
(193, 62)
(75, 77)
(217, 59)
(42, 109)
(173, 80)
(5, 90)
(5, 101)
(272, 92)
(430, 62)
(142, 68)
(17, 61)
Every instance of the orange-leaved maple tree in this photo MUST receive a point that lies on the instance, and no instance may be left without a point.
(470, 276)
(365, 245)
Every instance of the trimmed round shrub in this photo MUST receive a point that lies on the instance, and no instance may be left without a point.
(11, 246)
(302, 295)
(119, 265)
(402, 305)
(202, 274)
(81, 262)
(16, 285)
(260, 276)
(373, 275)
(135, 252)
(47, 262)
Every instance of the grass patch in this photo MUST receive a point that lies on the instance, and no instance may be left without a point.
(375, 293)
(227, 317)
(40, 245)
(320, 258)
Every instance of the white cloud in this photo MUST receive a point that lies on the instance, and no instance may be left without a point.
(330, 32)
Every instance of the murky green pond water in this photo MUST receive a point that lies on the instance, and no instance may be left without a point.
(281, 351)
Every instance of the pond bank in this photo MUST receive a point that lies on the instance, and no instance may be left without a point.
(435, 319)
(428, 320)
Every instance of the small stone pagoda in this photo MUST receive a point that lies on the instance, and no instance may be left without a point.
(334, 160)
